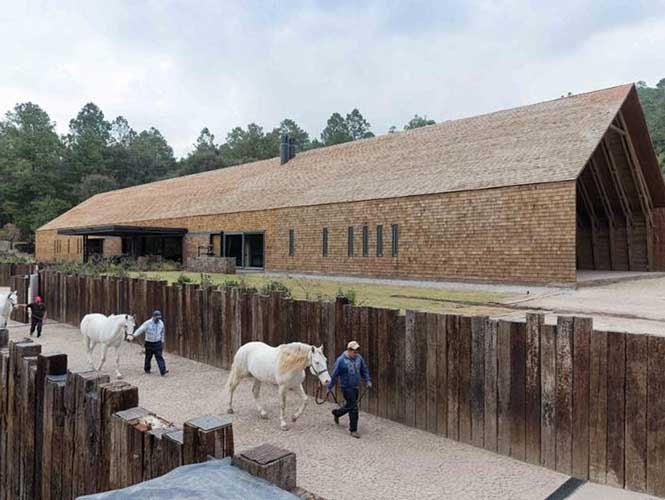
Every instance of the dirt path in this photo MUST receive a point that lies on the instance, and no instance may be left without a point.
(390, 461)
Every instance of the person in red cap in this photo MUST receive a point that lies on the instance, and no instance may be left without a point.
(37, 315)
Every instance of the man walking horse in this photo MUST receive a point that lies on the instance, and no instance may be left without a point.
(350, 368)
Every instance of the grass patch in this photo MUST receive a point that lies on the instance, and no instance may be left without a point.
(366, 294)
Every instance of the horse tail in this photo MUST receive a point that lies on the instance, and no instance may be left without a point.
(238, 368)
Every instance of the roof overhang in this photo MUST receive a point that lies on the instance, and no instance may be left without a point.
(116, 230)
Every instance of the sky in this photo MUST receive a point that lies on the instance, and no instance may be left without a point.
(182, 66)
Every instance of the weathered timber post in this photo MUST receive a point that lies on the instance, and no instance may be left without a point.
(4, 337)
(204, 437)
(271, 463)
(17, 351)
(47, 365)
(126, 465)
(114, 397)
(157, 451)
(53, 436)
(27, 428)
(4, 381)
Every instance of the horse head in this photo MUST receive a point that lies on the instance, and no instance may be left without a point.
(129, 324)
(12, 298)
(318, 365)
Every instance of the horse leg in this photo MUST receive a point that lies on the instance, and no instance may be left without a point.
(302, 407)
(88, 349)
(256, 389)
(282, 407)
(105, 347)
(117, 362)
(233, 382)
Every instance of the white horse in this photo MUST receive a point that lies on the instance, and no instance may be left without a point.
(8, 301)
(284, 366)
(110, 331)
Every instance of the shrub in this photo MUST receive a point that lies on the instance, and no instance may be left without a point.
(275, 286)
(10, 258)
(206, 280)
(183, 278)
(349, 294)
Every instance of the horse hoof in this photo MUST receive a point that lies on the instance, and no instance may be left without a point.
(294, 418)
(230, 411)
(118, 376)
(264, 415)
(284, 427)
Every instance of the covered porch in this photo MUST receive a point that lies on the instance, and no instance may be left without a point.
(137, 241)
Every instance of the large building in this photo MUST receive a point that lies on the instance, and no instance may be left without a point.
(530, 194)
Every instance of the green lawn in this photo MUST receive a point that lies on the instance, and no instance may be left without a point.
(396, 297)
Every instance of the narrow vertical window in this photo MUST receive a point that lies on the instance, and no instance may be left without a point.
(350, 242)
(291, 242)
(365, 241)
(379, 240)
(324, 242)
(68, 247)
(395, 248)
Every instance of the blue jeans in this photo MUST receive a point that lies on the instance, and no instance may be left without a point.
(154, 349)
(350, 407)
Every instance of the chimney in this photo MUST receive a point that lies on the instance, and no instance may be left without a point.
(292, 148)
(284, 149)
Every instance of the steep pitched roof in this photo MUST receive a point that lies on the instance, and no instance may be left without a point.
(545, 142)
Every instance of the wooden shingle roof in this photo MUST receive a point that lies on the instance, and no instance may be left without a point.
(545, 142)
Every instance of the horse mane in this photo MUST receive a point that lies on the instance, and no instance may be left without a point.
(293, 356)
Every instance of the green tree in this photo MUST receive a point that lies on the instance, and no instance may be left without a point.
(243, 146)
(151, 157)
(653, 102)
(87, 141)
(418, 121)
(96, 183)
(206, 155)
(336, 131)
(31, 166)
(359, 128)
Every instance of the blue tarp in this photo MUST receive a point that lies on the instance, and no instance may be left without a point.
(215, 479)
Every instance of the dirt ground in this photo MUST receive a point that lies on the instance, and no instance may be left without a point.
(390, 461)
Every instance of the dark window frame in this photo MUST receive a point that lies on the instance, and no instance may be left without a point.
(379, 240)
(394, 230)
(292, 242)
(349, 242)
(324, 242)
(365, 240)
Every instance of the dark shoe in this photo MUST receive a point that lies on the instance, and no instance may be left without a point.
(147, 372)
(355, 435)
(165, 373)
(335, 417)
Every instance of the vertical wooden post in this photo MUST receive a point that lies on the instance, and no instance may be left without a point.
(582, 331)
(209, 436)
(126, 464)
(534, 323)
(564, 395)
(490, 388)
(478, 325)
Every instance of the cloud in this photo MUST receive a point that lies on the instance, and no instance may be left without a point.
(180, 66)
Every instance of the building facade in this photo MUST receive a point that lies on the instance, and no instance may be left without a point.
(526, 195)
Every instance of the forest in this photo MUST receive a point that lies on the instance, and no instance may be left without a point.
(43, 173)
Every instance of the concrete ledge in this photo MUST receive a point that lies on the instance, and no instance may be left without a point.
(271, 463)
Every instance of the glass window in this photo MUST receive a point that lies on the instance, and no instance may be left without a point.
(350, 241)
(324, 242)
(365, 241)
(291, 242)
(379, 240)
(395, 247)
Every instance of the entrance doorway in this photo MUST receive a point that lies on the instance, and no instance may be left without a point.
(248, 249)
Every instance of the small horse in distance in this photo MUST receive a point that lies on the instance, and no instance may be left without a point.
(109, 331)
(8, 301)
(283, 366)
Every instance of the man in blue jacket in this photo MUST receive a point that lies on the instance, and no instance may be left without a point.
(350, 367)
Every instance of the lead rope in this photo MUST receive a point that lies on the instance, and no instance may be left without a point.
(319, 401)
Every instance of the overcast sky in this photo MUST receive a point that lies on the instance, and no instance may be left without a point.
(180, 66)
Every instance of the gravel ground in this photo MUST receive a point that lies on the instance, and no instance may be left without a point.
(390, 461)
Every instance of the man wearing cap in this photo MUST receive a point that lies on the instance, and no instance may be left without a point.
(350, 367)
(154, 342)
(37, 315)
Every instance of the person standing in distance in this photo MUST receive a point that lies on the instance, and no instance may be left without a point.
(37, 315)
(154, 342)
